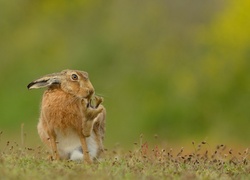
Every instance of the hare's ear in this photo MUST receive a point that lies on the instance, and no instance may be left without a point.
(45, 81)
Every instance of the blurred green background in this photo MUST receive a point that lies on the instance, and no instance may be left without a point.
(178, 69)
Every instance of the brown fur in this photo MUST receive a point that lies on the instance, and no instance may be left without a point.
(64, 106)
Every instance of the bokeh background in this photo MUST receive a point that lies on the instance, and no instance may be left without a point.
(178, 69)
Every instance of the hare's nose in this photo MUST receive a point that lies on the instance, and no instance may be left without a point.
(91, 92)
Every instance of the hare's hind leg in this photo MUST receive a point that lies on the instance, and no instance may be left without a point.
(99, 128)
(89, 121)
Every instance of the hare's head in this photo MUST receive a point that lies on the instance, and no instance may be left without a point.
(73, 82)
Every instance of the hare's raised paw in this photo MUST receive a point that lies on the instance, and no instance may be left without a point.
(93, 103)
(93, 113)
(98, 100)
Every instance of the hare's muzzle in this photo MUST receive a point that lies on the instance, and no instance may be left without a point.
(91, 92)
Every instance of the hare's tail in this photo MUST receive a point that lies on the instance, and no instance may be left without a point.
(76, 155)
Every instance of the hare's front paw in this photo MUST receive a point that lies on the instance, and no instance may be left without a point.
(94, 103)
(98, 100)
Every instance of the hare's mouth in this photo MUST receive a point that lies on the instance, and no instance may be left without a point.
(89, 97)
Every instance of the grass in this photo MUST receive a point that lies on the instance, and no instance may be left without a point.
(142, 162)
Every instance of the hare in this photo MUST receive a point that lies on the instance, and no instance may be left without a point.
(69, 124)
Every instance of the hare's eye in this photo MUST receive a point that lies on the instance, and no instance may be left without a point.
(74, 77)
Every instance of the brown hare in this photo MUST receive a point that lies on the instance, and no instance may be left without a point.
(69, 124)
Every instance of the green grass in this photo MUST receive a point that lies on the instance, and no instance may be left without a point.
(141, 162)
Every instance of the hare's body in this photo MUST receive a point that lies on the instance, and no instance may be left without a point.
(60, 110)
(70, 128)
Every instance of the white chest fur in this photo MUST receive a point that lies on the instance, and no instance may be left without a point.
(69, 145)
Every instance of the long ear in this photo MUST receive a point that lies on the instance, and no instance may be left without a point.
(45, 81)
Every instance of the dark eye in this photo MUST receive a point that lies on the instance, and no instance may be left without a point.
(74, 77)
